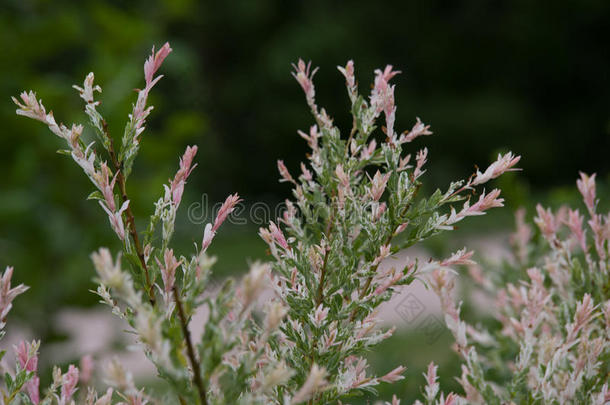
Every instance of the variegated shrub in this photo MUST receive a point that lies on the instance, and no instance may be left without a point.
(358, 200)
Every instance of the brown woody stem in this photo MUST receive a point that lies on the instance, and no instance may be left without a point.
(131, 223)
(189, 349)
(369, 280)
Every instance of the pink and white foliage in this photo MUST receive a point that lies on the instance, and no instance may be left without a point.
(8, 294)
(186, 167)
(419, 129)
(503, 164)
(360, 200)
(357, 201)
(168, 275)
(304, 75)
(555, 318)
(68, 385)
(225, 210)
(27, 356)
(140, 110)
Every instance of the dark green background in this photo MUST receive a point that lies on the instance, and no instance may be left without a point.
(489, 76)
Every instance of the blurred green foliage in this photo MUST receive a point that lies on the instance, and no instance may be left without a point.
(527, 76)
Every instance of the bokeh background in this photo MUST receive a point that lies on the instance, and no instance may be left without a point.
(531, 77)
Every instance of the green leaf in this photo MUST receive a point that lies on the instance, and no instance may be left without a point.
(96, 195)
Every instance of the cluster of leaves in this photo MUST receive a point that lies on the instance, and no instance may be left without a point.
(550, 342)
(159, 293)
(356, 203)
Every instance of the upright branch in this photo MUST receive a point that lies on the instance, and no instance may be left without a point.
(196, 368)
(552, 308)
(357, 203)
(137, 118)
(131, 223)
(92, 164)
(145, 319)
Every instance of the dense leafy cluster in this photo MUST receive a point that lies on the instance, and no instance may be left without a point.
(159, 293)
(550, 343)
(357, 202)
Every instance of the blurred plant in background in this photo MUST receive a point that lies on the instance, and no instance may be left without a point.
(551, 341)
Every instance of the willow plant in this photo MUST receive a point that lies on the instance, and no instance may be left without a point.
(550, 343)
(358, 200)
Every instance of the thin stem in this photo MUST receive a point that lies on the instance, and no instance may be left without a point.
(351, 135)
(320, 294)
(329, 227)
(131, 223)
(140, 252)
(189, 349)
(369, 280)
